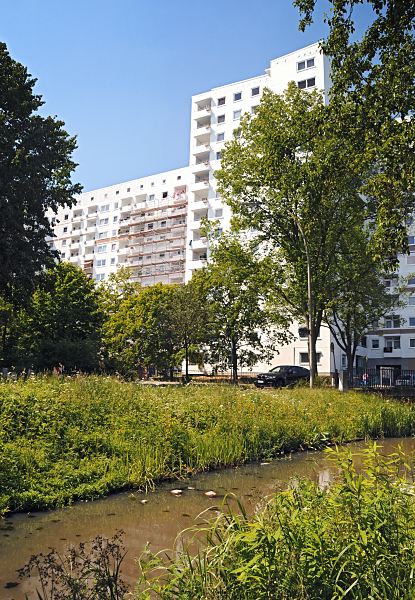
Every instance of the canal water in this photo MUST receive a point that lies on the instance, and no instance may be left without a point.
(157, 521)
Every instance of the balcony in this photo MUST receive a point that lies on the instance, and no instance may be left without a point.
(200, 184)
(199, 204)
(202, 136)
(201, 167)
(202, 122)
(193, 265)
(200, 244)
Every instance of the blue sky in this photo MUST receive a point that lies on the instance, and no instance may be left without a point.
(121, 73)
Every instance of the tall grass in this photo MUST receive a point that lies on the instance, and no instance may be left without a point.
(81, 438)
(355, 539)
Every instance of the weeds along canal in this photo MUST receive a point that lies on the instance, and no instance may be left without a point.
(157, 521)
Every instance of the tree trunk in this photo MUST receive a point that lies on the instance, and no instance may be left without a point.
(186, 359)
(234, 358)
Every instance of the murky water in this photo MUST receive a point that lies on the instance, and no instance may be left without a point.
(159, 520)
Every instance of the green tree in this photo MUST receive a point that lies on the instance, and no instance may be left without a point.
(140, 335)
(360, 298)
(236, 286)
(288, 176)
(35, 175)
(62, 322)
(188, 320)
(374, 75)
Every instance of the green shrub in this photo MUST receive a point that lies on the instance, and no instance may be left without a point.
(80, 438)
(355, 539)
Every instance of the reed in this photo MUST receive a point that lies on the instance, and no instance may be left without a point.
(81, 438)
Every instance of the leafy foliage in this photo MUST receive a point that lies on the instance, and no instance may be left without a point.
(374, 75)
(235, 286)
(289, 176)
(354, 539)
(83, 437)
(35, 175)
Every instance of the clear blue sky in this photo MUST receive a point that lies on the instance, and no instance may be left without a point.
(121, 73)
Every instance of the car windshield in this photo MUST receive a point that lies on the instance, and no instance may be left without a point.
(278, 369)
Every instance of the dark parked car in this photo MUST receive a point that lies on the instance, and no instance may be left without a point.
(282, 375)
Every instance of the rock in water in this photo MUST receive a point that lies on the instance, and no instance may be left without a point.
(176, 492)
(211, 494)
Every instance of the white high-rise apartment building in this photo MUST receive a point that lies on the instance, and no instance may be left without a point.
(215, 114)
(139, 224)
(152, 225)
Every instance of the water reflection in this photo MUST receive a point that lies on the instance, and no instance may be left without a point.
(157, 521)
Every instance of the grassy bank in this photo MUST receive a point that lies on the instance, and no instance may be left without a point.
(83, 438)
(355, 539)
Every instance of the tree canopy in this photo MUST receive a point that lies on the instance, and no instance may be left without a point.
(35, 175)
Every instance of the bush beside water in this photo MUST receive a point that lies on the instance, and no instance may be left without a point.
(355, 539)
(81, 438)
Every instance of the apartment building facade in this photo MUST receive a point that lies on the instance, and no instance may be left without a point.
(152, 225)
(139, 224)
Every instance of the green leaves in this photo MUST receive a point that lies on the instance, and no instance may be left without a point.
(35, 175)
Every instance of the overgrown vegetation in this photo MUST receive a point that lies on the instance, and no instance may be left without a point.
(355, 539)
(69, 439)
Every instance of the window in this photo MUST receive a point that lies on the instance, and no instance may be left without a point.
(114, 232)
(64, 243)
(141, 186)
(151, 198)
(164, 181)
(221, 101)
(411, 301)
(101, 262)
(344, 361)
(306, 83)
(387, 283)
(99, 276)
(103, 221)
(392, 343)
(113, 258)
(117, 192)
(375, 343)
(221, 136)
(65, 229)
(218, 155)
(237, 96)
(411, 341)
(411, 281)
(218, 213)
(114, 219)
(237, 115)
(102, 235)
(66, 217)
(255, 91)
(179, 177)
(304, 357)
(92, 197)
(411, 240)
(305, 64)
(302, 332)
(63, 254)
(163, 223)
(411, 321)
(101, 249)
(221, 118)
(254, 110)
(164, 195)
(392, 322)
(115, 205)
(105, 208)
(162, 255)
(113, 247)
(150, 226)
(152, 184)
(128, 190)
